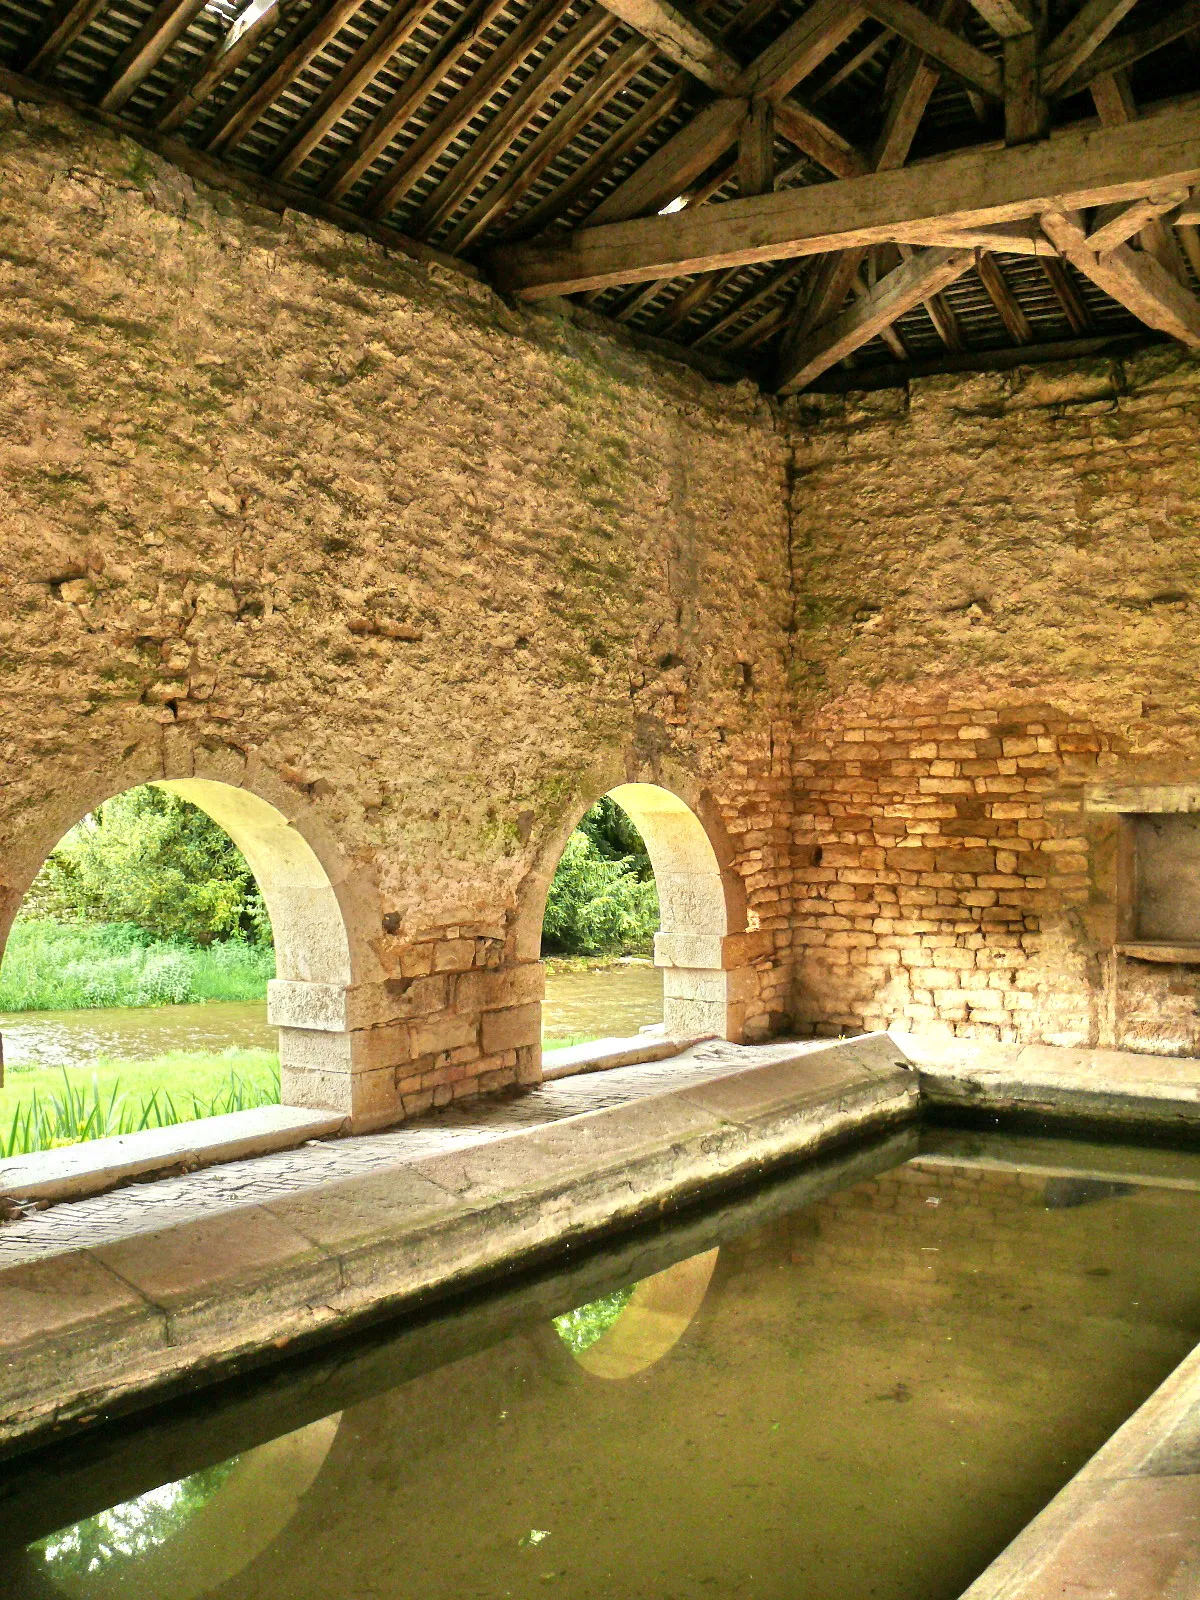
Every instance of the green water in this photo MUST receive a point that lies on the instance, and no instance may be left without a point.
(815, 1393)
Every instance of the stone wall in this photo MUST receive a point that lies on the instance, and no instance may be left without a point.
(997, 655)
(428, 574)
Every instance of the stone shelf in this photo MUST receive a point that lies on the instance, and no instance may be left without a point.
(1160, 950)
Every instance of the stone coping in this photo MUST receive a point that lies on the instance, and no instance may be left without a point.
(102, 1164)
(96, 1330)
(602, 1055)
(1119, 1089)
(1127, 1526)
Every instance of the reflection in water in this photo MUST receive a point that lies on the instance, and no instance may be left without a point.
(132, 1529)
(627, 1332)
(184, 1539)
(878, 1394)
(611, 1003)
(579, 1329)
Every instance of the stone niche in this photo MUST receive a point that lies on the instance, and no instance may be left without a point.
(1163, 895)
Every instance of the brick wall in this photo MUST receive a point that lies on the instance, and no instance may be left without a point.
(998, 581)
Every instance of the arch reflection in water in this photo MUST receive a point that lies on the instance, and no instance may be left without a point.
(185, 1539)
(622, 1334)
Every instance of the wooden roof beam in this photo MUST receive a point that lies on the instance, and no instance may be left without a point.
(682, 38)
(65, 25)
(1079, 167)
(1008, 18)
(944, 46)
(902, 289)
(1114, 225)
(1118, 54)
(1133, 278)
(1066, 294)
(684, 157)
(165, 24)
(1080, 39)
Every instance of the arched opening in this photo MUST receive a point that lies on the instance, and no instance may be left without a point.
(166, 931)
(605, 900)
(624, 1333)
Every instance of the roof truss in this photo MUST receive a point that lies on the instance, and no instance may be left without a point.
(544, 137)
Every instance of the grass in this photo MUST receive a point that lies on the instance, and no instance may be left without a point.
(53, 966)
(43, 1108)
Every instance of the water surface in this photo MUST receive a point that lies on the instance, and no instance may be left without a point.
(613, 1000)
(865, 1395)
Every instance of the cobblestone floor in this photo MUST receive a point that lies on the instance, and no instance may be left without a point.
(139, 1207)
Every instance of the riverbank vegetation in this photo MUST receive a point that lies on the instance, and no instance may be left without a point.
(602, 899)
(146, 902)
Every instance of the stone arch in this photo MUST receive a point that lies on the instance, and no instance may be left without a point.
(702, 946)
(321, 918)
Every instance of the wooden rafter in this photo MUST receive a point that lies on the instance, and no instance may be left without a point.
(65, 25)
(311, 33)
(1133, 278)
(514, 117)
(801, 49)
(969, 188)
(1119, 54)
(902, 289)
(415, 89)
(165, 24)
(1066, 294)
(1081, 38)
(610, 153)
(995, 283)
(470, 100)
(224, 57)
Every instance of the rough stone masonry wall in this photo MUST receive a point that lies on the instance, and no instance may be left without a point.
(999, 590)
(426, 572)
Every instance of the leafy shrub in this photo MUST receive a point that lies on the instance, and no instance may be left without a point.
(597, 905)
(602, 898)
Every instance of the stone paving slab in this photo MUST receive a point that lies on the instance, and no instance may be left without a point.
(101, 1164)
(108, 1302)
(151, 1205)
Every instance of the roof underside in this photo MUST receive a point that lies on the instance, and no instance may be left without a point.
(471, 123)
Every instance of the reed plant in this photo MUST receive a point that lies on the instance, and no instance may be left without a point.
(48, 1119)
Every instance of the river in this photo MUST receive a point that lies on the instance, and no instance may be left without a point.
(612, 1000)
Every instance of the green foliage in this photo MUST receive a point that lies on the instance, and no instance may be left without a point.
(603, 896)
(133, 1528)
(150, 858)
(51, 966)
(99, 1107)
(579, 1329)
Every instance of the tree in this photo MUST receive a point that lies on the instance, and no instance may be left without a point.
(603, 897)
(151, 858)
